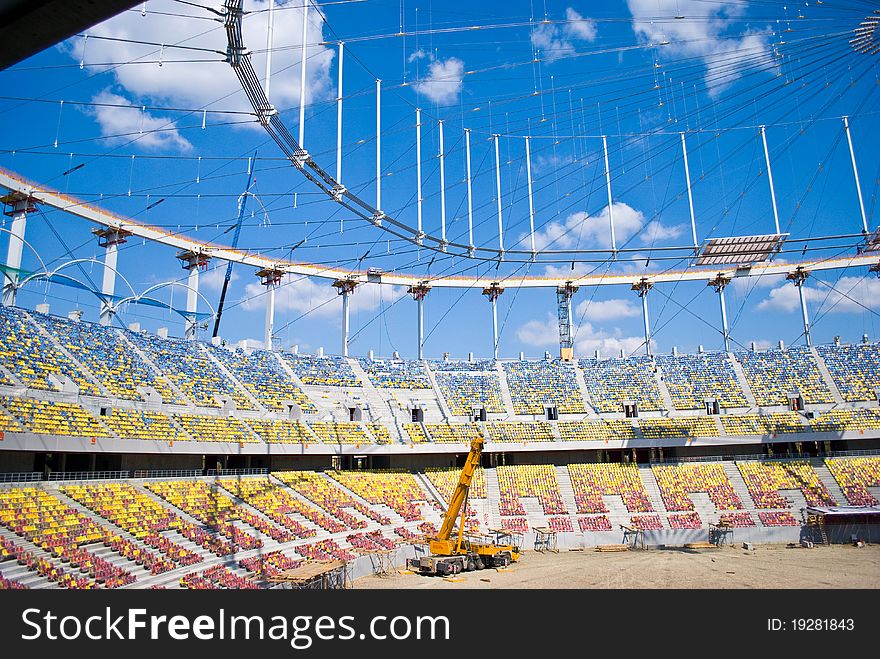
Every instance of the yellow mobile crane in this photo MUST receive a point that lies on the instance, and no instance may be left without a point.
(453, 555)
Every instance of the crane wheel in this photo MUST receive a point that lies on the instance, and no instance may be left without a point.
(479, 564)
(470, 566)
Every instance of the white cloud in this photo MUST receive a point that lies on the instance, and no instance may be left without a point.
(579, 27)
(212, 279)
(602, 310)
(121, 121)
(705, 32)
(588, 338)
(211, 84)
(584, 230)
(558, 41)
(581, 230)
(444, 80)
(655, 231)
(850, 295)
(318, 298)
(608, 343)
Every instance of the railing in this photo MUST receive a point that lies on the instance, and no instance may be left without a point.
(86, 475)
(166, 473)
(21, 477)
(255, 471)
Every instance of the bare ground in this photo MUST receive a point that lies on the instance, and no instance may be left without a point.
(767, 566)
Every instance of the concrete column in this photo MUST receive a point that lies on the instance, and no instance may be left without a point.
(345, 287)
(192, 262)
(18, 206)
(109, 239)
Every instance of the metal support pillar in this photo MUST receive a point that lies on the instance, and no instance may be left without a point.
(564, 295)
(493, 292)
(770, 178)
(719, 283)
(18, 206)
(852, 156)
(642, 287)
(271, 279)
(798, 277)
(419, 292)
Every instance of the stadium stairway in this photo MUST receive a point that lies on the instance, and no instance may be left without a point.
(566, 491)
(739, 485)
(86, 373)
(234, 380)
(431, 491)
(830, 482)
(742, 380)
(12, 570)
(152, 365)
(380, 408)
(704, 506)
(665, 396)
(493, 494)
(826, 375)
(506, 398)
(441, 400)
(653, 490)
(9, 376)
(582, 389)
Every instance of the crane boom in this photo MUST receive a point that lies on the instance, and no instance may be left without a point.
(459, 496)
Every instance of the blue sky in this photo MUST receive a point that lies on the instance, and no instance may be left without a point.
(151, 122)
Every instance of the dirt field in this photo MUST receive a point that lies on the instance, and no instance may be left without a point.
(767, 566)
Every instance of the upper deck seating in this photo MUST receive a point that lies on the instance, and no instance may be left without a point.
(613, 382)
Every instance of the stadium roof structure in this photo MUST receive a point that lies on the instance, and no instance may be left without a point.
(737, 250)
(43, 195)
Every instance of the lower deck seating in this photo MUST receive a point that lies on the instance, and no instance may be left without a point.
(520, 481)
(445, 479)
(592, 481)
(278, 504)
(212, 508)
(646, 522)
(396, 489)
(685, 521)
(323, 493)
(676, 482)
(855, 476)
(765, 479)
